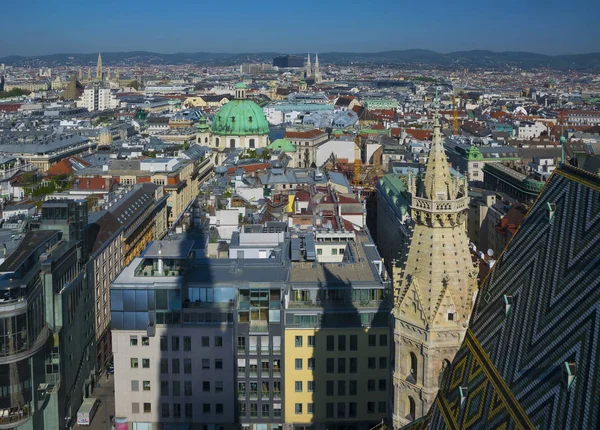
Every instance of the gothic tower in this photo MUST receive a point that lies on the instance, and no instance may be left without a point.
(317, 73)
(308, 68)
(434, 289)
(99, 68)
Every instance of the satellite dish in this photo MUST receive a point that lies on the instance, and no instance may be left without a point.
(490, 252)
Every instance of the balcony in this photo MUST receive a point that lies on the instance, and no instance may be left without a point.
(336, 304)
(265, 395)
(276, 395)
(437, 206)
(14, 417)
(241, 394)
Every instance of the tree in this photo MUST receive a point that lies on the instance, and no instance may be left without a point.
(134, 84)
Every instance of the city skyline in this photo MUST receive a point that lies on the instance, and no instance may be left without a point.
(77, 28)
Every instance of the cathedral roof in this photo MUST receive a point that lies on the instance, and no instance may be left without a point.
(529, 358)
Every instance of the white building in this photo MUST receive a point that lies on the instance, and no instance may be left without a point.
(531, 130)
(97, 99)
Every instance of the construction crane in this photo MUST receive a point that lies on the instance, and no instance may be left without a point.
(455, 116)
(356, 159)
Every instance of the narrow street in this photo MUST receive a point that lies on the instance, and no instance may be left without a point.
(104, 393)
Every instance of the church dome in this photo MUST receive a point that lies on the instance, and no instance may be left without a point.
(240, 117)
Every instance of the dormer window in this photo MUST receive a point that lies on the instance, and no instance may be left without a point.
(232, 119)
(249, 119)
(508, 302)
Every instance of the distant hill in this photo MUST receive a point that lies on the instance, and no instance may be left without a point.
(460, 59)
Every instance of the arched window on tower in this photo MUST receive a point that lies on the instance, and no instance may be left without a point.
(413, 367)
(412, 409)
(252, 144)
(444, 374)
(217, 141)
(232, 143)
(206, 140)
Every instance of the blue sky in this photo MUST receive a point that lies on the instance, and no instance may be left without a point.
(37, 27)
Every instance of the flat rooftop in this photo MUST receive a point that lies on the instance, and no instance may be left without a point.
(30, 243)
(173, 249)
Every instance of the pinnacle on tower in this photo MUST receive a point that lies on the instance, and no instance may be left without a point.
(99, 67)
(438, 185)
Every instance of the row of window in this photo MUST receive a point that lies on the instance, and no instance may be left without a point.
(265, 391)
(341, 409)
(175, 388)
(187, 343)
(349, 388)
(341, 364)
(252, 410)
(253, 344)
(353, 344)
(187, 365)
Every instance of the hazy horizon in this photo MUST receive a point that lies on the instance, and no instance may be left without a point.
(41, 27)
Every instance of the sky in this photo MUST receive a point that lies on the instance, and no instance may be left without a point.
(37, 27)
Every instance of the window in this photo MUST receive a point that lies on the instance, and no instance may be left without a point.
(217, 141)
(298, 408)
(341, 342)
(353, 365)
(145, 341)
(277, 410)
(329, 410)
(135, 408)
(187, 388)
(330, 366)
(320, 251)
(147, 408)
(206, 386)
(353, 342)
(311, 341)
(371, 363)
(218, 386)
(205, 341)
(334, 251)
(265, 411)
(241, 344)
(298, 340)
(372, 340)
(382, 362)
(175, 366)
(176, 410)
(176, 388)
(187, 343)
(164, 366)
(341, 388)
(298, 386)
(352, 387)
(352, 410)
(163, 343)
(175, 343)
(382, 385)
(164, 388)
(218, 363)
(232, 143)
(146, 385)
(134, 363)
(330, 343)
(341, 365)
(310, 386)
(135, 385)
(310, 408)
(188, 411)
(329, 388)
(341, 410)
(371, 385)
(219, 341)
(450, 316)
(252, 145)
(206, 408)
(133, 341)
(187, 365)
(413, 366)
(383, 340)
(298, 363)
(206, 363)
(381, 407)
(164, 410)
(371, 407)
(242, 409)
(311, 363)
(146, 363)
(219, 408)
(412, 408)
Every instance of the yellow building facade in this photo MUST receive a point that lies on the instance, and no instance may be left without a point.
(336, 377)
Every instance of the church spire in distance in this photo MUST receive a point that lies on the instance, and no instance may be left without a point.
(99, 67)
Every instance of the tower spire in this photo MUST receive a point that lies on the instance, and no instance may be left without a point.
(99, 67)
(308, 71)
(438, 185)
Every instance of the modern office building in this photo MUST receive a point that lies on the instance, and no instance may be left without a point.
(288, 61)
(47, 347)
(97, 98)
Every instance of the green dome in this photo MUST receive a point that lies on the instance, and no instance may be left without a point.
(282, 145)
(240, 86)
(563, 139)
(240, 118)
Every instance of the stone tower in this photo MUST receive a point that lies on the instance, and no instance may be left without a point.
(308, 70)
(435, 287)
(317, 73)
(99, 68)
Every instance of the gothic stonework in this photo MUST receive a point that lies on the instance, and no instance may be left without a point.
(434, 290)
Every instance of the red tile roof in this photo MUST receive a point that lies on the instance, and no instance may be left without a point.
(310, 134)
